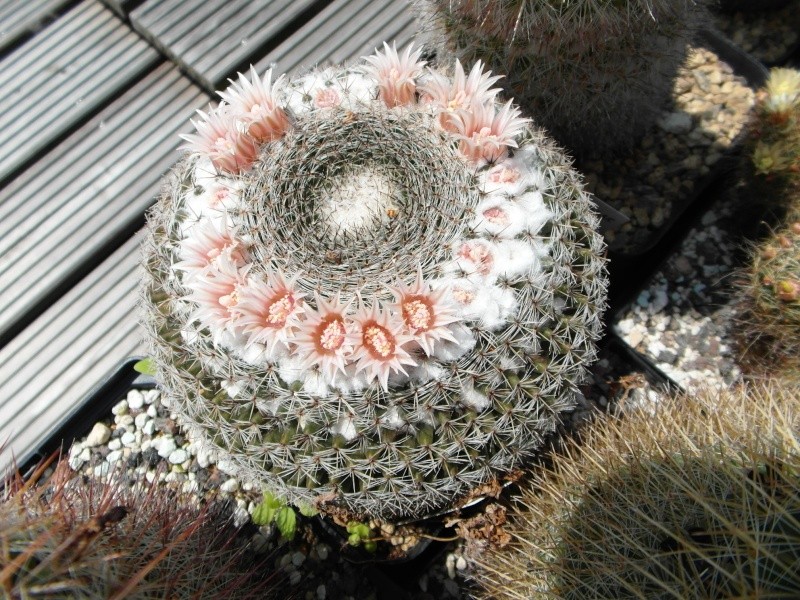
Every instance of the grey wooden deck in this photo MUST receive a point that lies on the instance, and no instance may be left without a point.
(95, 95)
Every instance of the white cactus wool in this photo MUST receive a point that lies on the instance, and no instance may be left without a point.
(397, 274)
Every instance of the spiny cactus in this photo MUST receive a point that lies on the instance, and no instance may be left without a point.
(770, 308)
(774, 142)
(385, 305)
(697, 498)
(595, 73)
(63, 536)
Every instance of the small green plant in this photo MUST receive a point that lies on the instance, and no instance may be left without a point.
(595, 73)
(697, 497)
(274, 510)
(359, 534)
(66, 536)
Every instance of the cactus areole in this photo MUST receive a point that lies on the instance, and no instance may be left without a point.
(374, 288)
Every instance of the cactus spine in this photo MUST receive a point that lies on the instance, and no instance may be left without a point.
(63, 536)
(391, 304)
(595, 73)
(699, 498)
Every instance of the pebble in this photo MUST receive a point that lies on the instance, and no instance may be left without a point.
(676, 122)
(135, 399)
(321, 592)
(230, 486)
(99, 434)
(115, 444)
(165, 447)
(177, 457)
(114, 456)
(140, 419)
(128, 439)
(120, 408)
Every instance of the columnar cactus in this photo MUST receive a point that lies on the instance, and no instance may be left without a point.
(698, 498)
(373, 287)
(595, 73)
(62, 536)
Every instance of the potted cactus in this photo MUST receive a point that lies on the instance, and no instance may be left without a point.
(374, 289)
(595, 73)
(696, 497)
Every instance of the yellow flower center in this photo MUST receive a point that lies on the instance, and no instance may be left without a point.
(379, 341)
(280, 310)
(418, 313)
(332, 334)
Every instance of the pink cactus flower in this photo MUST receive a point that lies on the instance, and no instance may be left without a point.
(379, 343)
(427, 314)
(396, 75)
(270, 311)
(207, 241)
(485, 133)
(327, 98)
(503, 174)
(460, 93)
(218, 139)
(325, 337)
(252, 102)
(476, 256)
(216, 292)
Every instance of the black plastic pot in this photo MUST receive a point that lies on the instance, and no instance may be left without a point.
(95, 406)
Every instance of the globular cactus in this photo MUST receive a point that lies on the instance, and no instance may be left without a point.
(770, 306)
(385, 301)
(696, 497)
(774, 142)
(595, 73)
(65, 536)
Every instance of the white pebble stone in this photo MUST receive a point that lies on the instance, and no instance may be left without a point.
(135, 399)
(128, 438)
(240, 516)
(190, 487)
(151, 396)
(120, 408)
(146, 444)
(123, 421)
(76, 449)
(298, 558)
(114, 456)
(149, 427)
(152, 411)
(205, 456)
(461, 563)
(295, 577)
(140, 419)
(229, 486)
(165, 446)
(321, 592)
(227, 467)
(101, 470)
(150, 476)
(171, 476)
(177, 456)
(450, 565)
(115, 444)
(99, 434)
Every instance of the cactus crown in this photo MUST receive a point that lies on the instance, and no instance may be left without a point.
(384, 296)
(699, 500)
(595, 73)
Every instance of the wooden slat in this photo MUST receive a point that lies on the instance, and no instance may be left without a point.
(211, 38)
(20, 17)
(345, 30)
(62, 75)
(48, 370)
(90, 191)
